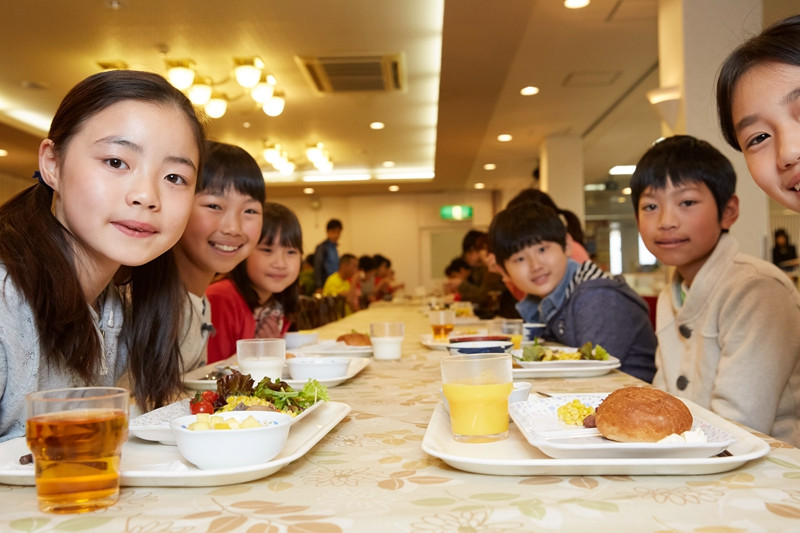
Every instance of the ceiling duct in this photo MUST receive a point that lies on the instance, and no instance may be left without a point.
(345, 74)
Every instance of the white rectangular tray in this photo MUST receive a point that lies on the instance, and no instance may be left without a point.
(516, 457)
(147, 464)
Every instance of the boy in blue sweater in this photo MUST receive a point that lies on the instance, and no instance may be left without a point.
(578, 302)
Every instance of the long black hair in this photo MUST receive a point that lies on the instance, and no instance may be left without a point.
(38, 253)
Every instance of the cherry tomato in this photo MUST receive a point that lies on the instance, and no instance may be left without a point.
(201, 407)
(209, 396)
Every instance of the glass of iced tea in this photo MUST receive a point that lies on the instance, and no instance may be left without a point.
(76, 437)
(442, 321)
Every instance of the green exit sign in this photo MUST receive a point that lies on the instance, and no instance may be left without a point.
(456, 212)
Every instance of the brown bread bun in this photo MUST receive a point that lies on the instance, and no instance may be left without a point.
(354, 339)
(637, 414)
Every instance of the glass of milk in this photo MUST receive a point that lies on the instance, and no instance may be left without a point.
(387, 339)
(261, 358)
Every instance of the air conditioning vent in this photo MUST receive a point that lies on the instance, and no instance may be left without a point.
(346, 74)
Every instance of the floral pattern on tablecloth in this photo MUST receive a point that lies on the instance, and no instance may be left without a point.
(370, 474)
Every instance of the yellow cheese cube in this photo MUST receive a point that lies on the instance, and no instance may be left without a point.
(198, 426)
(250, 422)
(202, 417)
(221, 425)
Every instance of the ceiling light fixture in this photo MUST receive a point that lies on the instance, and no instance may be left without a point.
(394, 188)
(216, 106)
(312, 178)
(200, 92)
(388, 164)
(489, 166)
(410, 175)
(575, 4)
(308, 190)
(248, 71)
(530, 90)
(319, 157)
(377, 125)
(504, 137)
(264, 90)
(3, 153)
(274, 105)
(180, 73)
(480, 186)
(622, 170)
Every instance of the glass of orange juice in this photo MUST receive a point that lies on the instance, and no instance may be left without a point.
(477, 387)
(76, 437)
(442, 321)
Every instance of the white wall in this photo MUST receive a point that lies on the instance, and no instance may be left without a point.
(389, 224)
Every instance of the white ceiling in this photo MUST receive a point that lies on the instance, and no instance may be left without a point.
(466, 61)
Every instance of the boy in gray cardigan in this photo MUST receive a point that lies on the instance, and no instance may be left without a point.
(578, 302)
(727, 323)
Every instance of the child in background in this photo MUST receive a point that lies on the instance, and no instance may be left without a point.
(116, 177)
(366, 281)
(223, 229)
(727, 322)
(758, 103)
(258, 295)
(578, 302)
(340, 282)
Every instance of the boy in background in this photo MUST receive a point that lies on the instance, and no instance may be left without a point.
(578, 302)
(341, 282)
(727, 323)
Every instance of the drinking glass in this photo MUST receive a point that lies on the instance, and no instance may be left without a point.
(477, 387)
(512, 327)
(442, 321)
(387, 339)
(261, 358)
(76, 437)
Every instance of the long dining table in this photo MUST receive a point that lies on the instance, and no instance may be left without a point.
(371, 473)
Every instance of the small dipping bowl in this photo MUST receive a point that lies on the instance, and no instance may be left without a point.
(533, 330)
(232, 448)
(302, 368)
(480, 344)
(296, 339)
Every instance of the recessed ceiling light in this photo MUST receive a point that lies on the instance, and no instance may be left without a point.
(575, 4)
(388, 164)
(115, 4)
(3, 153)
(308, 190)
(626, 191)
(489, 166)
(377, 125)
(530, 90)
(480, 185)
(504, 137)
(246, 125)
(394, 188)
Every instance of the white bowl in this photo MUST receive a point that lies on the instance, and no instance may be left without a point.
(318, 367)
(232, 448)
(519, 393)
(296, 339)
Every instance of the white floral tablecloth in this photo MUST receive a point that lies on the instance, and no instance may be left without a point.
(370, 474)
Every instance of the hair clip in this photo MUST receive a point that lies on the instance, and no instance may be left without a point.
(38, 176)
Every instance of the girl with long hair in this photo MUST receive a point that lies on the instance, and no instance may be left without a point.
(117, 176)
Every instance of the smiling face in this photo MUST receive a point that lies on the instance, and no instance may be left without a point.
(680, 225)
(124, 184)
(539, 268)
(273, 267)
(766, 118)
(223, 230)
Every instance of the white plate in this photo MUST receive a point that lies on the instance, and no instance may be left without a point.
(514, 456)
(564, 369)
(330, 347)
(357, 364)
(146, 464)
(195, 379)
(427, 341)
(538, 421)
(154, 425)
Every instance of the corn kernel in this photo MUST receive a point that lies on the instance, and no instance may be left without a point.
(574, 412)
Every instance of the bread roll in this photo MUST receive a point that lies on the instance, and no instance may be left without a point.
(637, 414)
(354, 339)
